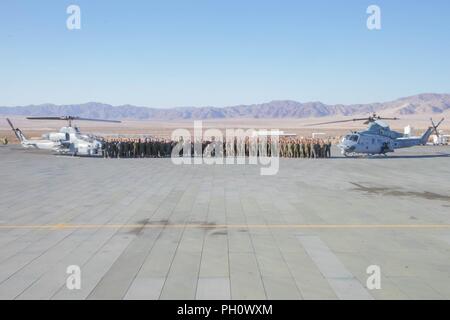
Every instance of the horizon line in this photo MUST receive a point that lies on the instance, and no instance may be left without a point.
(221, 107)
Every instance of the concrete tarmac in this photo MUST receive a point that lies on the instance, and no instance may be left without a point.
(149, 229)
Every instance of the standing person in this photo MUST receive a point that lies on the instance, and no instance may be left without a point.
(306, 148)
(130, 148)
(135, 148)
(316, 148)
(119, 148)
(224, 147)
(162, 148)
(281, 147)
(113, 148)
(310, 148)
(116, 148)
(305, 151)
(127, 148)
(131, 142)
(156, 148)
(296, 148)
(328, 149)
(124, 148)
(301, 149)
(169, 148)
(108, 148)
(147, 148)
(287, 148)
(292, 148)
(153, 147)
(246, 147)
(103, 148)
(230, 148)
(141, 148)
(322, 149)
(319, 149)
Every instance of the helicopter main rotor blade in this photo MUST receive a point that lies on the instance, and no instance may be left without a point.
(381, 118)
(97, 120)
(46, 118)
(339, 121)
(367, 120)
(70, 118)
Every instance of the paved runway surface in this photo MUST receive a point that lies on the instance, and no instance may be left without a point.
(147, 229)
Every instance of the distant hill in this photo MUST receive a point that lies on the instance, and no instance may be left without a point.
(415, 105)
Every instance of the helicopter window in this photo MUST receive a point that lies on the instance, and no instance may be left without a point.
(354, 138)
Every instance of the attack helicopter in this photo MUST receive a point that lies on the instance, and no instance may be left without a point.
(378, 138)
(69, 140)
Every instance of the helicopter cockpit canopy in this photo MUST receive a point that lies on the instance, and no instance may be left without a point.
(56, 136)
(352, 137)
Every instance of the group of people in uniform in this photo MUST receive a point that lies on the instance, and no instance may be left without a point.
(286, 147)
(137, 148)
(305, 148)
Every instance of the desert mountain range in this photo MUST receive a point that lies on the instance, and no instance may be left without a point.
(422, 104)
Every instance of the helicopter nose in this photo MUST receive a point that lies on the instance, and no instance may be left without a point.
(350, 149)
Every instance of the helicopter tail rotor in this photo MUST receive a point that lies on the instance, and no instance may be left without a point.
(435, 126)
(17, 132)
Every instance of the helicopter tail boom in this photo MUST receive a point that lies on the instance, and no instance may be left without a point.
(18, 133)
(424, 138)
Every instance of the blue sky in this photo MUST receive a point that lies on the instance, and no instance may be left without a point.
(221, 52)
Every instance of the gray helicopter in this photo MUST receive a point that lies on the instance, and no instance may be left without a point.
(69, 139)
(379, 138)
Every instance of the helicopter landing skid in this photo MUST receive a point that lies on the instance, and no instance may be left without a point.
(355, 155)
(352, 155)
